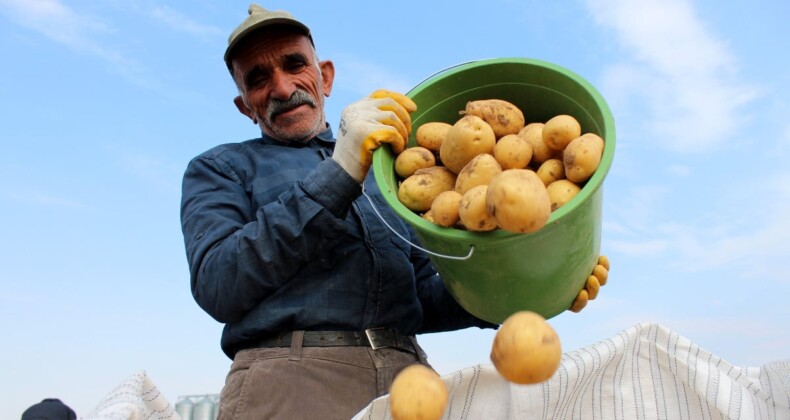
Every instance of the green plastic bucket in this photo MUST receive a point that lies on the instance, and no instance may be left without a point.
(495, 274)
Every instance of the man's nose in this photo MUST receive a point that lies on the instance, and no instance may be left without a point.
(282, 86)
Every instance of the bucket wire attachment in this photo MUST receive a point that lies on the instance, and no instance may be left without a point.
(427, 251)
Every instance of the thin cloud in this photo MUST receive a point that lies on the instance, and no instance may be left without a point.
(786, 137)
(638, 249)
(679, 170)
(367, 76)
(753, 254)
(751, 244)
(639, 205)
(19, 297)
(43, 199)
(182, 23)
(730, 326)
(154, 170)
(678, 69)
(63, 25)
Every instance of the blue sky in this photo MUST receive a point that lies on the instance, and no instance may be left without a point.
(102, 104)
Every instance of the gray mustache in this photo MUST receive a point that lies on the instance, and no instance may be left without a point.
(299, 97)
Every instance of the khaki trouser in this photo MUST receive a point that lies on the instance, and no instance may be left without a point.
(309, 382)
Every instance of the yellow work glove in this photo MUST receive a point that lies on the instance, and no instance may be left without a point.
(383, 117)
(595, 280)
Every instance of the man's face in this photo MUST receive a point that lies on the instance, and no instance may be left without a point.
(282, 87)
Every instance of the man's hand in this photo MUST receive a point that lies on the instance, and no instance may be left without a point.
(598, 278)
(383, 117)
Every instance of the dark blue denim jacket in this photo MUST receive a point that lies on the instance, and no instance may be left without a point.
(278, 237)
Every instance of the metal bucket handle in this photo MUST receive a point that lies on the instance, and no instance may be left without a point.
(449, 257)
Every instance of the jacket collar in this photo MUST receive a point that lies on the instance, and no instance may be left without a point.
(325, 136)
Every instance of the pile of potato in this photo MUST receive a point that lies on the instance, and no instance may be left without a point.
(491, 170)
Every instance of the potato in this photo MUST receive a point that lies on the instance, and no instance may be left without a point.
(431, 135)
(503, 117)
(513, 152)
(412, 159)
(428, 215)
(526, 349)
(479, 171)
(560, 192)
(467, 138)
(473, 211)
(560, 130)
(582, 157)
(550, 171)
(418, 191)
(418, 393)
(533, 134)
(444, 209)
(518, 201)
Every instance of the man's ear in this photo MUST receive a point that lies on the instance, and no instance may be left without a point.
(244, 109)
(328, 75)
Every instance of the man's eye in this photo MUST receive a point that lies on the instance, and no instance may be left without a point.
(296, 66)
(257, 80)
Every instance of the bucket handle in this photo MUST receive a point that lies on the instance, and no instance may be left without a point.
(449, 257)
(427, 251)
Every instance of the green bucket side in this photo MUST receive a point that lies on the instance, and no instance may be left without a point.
(507, 272)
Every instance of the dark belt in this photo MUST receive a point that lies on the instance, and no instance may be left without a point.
(375, 338)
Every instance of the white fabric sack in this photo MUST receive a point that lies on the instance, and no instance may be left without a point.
(135, 398)
(645, 372)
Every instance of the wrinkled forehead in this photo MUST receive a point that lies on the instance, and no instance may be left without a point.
(271, 41)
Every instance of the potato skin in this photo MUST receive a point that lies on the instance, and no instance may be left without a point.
(550, 171)
(518, 201)
(560, 130)
(526, 349)
(513, 152)
(413, 158)
(418, 393)
(467, 138)
(479, 171)
(418, 191)
(582, 157)
(431, 135)
(428, 215)
(561, 192)
(444, 209)
(533, 134)
(473, 210)
(503, 117)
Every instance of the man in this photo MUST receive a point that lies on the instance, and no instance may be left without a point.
(320, 301)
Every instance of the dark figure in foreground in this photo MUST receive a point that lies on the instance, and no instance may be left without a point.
(49, 409)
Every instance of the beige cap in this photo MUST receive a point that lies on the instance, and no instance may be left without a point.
(258, 18)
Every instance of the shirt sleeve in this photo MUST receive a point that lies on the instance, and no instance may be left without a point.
(239, 255)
